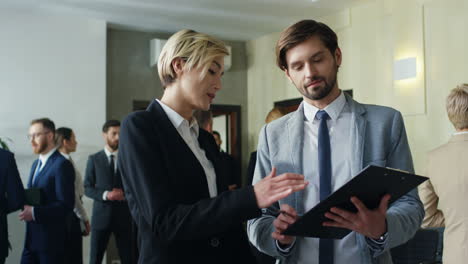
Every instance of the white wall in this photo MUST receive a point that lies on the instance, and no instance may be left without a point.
(50, 66)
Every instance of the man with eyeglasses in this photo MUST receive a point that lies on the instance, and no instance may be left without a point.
(54, 176)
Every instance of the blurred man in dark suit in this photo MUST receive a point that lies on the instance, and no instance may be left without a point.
(230, 165)
(103, 184)
(11, 197)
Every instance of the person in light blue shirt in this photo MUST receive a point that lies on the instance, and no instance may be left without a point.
(329, 139)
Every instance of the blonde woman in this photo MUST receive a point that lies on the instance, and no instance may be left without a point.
(444, 195)
(170, 170)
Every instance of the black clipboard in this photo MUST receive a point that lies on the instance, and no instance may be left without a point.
(33, 196)
(370, 185)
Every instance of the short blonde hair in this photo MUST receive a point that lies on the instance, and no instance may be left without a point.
(457, 107)
(197, 49)
(275, 113)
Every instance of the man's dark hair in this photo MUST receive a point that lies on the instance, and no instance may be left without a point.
(216, 133)
(203, 117)
(62, 133)
(46, 123)
(300, 32)
(110, 123)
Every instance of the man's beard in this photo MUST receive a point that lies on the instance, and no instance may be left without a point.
(321, 92)
(40, 148)
(113, 145)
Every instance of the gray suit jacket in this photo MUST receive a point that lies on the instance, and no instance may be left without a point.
(378, 137)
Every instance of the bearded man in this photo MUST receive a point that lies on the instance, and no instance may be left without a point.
(54, 176)
(329, 139)
(103, 184)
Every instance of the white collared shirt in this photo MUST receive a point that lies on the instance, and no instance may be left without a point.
(189, 132)
(346, 250)
(108, 154)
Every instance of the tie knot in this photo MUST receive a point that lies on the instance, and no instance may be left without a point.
(321, 114)
(111, 156)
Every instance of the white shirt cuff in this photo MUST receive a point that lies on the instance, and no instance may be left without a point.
(32, 213)
(285, 249)
(104, 195)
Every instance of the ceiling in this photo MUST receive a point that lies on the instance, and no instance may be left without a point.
(227, 19)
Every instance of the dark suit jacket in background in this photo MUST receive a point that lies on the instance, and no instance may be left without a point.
(47, 231)
(251, 167)
(99, 179)
(168, 195)
(232, 168)
(11, 196)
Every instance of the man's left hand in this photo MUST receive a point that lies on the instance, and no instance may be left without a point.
(87, 228)
(370, 223)
(119, 194)
(26, 214)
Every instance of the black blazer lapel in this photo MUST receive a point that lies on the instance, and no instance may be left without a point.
(176, 147)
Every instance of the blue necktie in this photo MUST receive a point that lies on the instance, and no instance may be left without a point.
(38, 169)
(325, 171)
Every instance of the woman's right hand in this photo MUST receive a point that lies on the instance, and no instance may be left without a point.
(273, 188)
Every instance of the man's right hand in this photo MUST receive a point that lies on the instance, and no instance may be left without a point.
(274, 188)
(286, 218)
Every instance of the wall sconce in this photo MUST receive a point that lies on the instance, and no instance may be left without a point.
(404, 69)
(156, 46)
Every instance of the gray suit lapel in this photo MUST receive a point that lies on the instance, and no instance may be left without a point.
(295, 128)
(357, 134)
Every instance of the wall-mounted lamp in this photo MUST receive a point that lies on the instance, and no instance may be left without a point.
(156, 46)
(404, 69)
